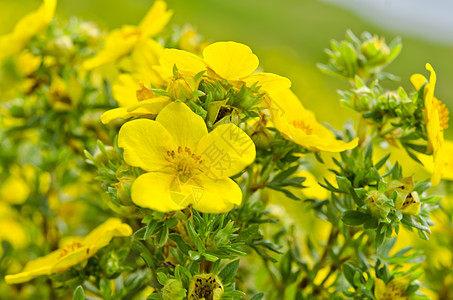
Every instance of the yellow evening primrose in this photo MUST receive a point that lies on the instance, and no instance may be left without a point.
(185, 164)
(232, 61)
(73, 252)
(300, 125)
(26, 28)
(436, 118)
(122, 41)
(394, 290)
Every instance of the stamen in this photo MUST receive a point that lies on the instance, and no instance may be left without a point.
(69, 248)
(302, 125)
(185, 163)
(443, 113)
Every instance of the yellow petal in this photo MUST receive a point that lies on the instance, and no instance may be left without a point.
(145, 143)
(106, 231)
(267, 81)
(116, 113)
(118, 43)
(156, 19)
(185, 126)
(186, 62)
(230, 60)
(144, 59)
(152, 106)
(418, 80)
(35, 268)
(71, 259)
(429, 90)
(226, 151)
(124, 90)
(217, 196)
(152, 190)
(379, 289)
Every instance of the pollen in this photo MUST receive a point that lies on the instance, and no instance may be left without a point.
(69, 248)
(302, 125)
(185, 163)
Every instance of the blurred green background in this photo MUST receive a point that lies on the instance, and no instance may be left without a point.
(287, 35)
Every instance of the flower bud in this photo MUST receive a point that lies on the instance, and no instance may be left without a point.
(173, 290)
(378, 205)
(181, 88)
(375, 49)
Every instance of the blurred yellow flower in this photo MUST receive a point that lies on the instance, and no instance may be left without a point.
(185, 164)
(444, 164)
(26, 28)
(232, 61)
(11, 229)
(73, 252)
(394, 290)
(122, 41)
(436, 118)
(300, 125)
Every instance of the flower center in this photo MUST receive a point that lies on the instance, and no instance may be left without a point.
(69, 248)
(185, 164)
(443, 113)
(302, 125)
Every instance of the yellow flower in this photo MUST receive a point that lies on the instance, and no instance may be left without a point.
(26, 28)
(11, 229)
(300, 125)
(185, 164)
(394, 290)
(130, 89)
(232, 61)
(122, 41)
(436, 118)
(72, 253)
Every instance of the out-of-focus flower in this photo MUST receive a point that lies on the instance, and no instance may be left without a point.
(300, 125)
(11, 229)
(27, 27)
(186, 165)
(444, 162)
(394, 290)
(122, 41)
(73, 252)
(436, 118)
(64, 94)
(232, 61)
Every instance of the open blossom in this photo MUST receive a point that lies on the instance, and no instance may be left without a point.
(27, 28)
(122, 41)
(300, 125)
(73, 252)
(185, 164)
(394, 290)
(232, 61)
(436, 118)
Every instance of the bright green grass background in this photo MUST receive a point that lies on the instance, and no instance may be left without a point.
(287, 35)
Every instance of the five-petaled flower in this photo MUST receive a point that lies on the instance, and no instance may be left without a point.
(436, 118)
(300, 125)
(73, 252)
(185, 164)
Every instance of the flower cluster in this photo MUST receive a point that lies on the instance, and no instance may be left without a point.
(186, 152)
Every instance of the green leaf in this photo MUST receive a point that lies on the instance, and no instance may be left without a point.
(354, 217)
(229, 271)
(79, 294)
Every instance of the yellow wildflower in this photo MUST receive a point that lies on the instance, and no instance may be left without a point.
(394, 290)
(444, 164)
(26, 28)
(11, 229)
(122, 41)
(300, 125)
(72, 253)
(185, 164)
(232, 61)
(436, 118)
(131, 89)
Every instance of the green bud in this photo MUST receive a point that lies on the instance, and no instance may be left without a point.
(173, 290)
(375, 49)
(378, 206)
(182, 88)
